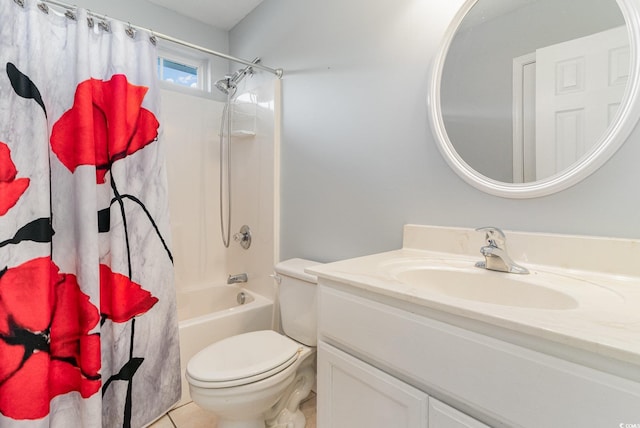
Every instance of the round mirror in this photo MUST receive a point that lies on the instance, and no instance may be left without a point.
(528, 97)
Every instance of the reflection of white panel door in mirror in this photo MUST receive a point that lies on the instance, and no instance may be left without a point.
(579, 86)
(524, 118)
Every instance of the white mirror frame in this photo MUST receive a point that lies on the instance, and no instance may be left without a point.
(622, 125)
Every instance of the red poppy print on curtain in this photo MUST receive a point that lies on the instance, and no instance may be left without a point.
(55, 327)
(11, 188)
(45, 320)
(105, 124)
(120, 298)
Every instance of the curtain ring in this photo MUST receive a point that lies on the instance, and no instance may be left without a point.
(130, 31)
(19, 3)
(90, 22)
(70, 15)
(104, 25)
(153, 39)
(43, 7)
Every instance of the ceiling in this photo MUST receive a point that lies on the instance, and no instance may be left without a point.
(223, 14)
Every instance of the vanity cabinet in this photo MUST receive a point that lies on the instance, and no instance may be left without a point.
(355, 394)
(383, 362)
(444, 416)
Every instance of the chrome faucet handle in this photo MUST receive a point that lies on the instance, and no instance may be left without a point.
(494, 236)
(243, 237)
(495, 252)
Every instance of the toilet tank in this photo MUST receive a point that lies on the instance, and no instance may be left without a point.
(297, 299)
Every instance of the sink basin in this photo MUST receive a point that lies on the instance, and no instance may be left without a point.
(480, 285)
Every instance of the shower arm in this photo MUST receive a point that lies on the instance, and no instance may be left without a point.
(239, 75)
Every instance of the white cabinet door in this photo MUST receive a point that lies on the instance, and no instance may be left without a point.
(444, 416)
(353, 394)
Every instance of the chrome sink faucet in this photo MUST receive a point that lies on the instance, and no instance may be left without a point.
(495, 252)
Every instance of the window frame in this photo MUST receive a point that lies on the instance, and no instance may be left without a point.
(190, 58)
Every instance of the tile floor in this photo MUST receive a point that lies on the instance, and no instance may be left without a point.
(191, 416)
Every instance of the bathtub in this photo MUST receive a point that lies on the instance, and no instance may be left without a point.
(211, 314)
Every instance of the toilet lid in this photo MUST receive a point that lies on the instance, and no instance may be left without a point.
(242, 356)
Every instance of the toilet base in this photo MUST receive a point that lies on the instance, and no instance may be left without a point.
(241, 424)
(287, 414)
(287, 419)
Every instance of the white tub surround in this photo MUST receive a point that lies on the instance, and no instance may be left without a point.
(557, 347)
(191, 130)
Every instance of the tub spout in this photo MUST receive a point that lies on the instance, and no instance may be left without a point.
(235, 279)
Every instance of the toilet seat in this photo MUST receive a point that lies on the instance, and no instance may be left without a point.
(242, 359)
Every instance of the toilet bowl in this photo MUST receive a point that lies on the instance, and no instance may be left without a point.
(258, 379)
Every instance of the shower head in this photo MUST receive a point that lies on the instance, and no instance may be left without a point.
(226, 85)
(229, 83)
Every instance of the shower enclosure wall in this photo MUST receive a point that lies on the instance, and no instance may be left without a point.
(190, 129)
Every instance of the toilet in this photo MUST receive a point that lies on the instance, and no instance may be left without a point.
(258, 379)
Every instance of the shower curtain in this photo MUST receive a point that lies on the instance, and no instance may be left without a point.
(88, 331)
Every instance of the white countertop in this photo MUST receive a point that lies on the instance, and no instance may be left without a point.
(605, 322)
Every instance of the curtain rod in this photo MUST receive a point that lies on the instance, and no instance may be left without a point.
(277, 71)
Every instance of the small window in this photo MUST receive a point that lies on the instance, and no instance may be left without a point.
(178, 73)
(180, 68)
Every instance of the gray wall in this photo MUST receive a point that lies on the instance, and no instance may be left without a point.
(358, 156)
